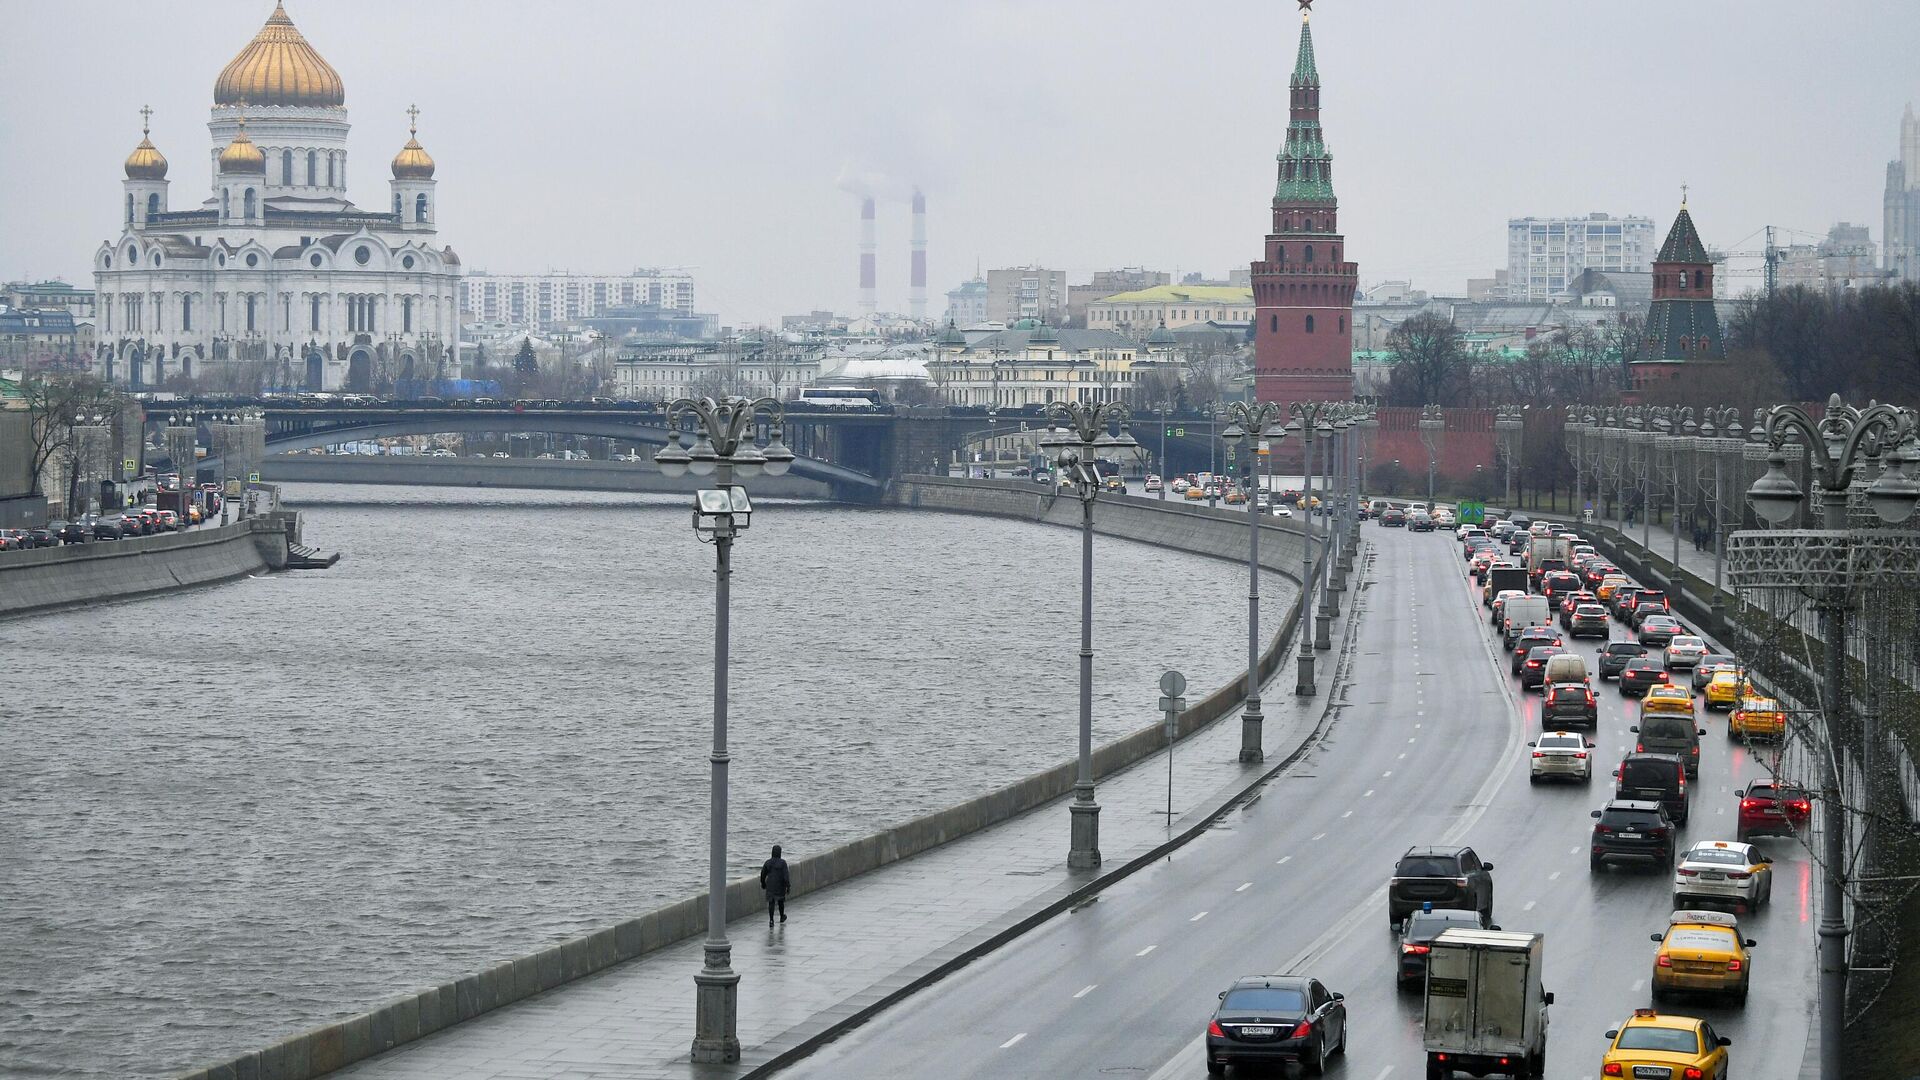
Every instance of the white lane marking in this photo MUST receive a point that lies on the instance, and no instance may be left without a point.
(1573, 851)
(1637, 984)
(1146, 950)
(1348, 814)
(1284, 859)
(1417, 724)
(1085, 990)
(1401, 757)
(1419, 712)
(1198, 917)
(1389, 772)
(1383, 1073)
(1722, 810)
(1409, 738)
(1528, 906)
(1245, 887)
(1013, 1040)
(1555, 876)
(1319, 836)
(1367, 795)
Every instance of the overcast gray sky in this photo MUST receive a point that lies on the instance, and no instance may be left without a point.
(599, 135)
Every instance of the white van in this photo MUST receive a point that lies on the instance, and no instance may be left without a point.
(1566, 668)
(1521, 612)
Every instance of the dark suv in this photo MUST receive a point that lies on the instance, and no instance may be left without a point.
(1634, 830)
(1660, 778)
(1444, 877)
(1568, 705)
(1533, 670)
(1615, 654)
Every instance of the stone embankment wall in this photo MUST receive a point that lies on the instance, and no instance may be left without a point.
(44, 579)
(1198, 529)
(637, 476)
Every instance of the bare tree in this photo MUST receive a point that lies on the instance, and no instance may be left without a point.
(1430, 365)
(58, 403)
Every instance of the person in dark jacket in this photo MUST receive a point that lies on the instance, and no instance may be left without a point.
(775, 880)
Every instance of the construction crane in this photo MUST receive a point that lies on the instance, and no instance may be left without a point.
(1771, 255)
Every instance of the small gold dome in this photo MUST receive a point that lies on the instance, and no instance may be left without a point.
(145, 163)
(412, 162)
(278, 67)
(241, 156)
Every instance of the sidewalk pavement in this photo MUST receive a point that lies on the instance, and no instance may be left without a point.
(848, 947)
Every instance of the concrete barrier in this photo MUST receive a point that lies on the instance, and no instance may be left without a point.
(550, 475)
(44, 579)
(1219, 533)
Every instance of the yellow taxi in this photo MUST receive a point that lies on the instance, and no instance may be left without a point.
(1656, 1046)
(1702, 951)
(1196, 493)
(1668, 698)
(1726, 688)
(1757, 718)
(1609, 585)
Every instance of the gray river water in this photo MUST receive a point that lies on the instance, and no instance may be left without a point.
(234, 813)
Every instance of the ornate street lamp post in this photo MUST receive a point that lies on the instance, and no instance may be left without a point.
(724, 449)
(1433, 428)
(1250, 423)
(1508, 425)
(1077, 448)
(1823, 563)
(1308, 417)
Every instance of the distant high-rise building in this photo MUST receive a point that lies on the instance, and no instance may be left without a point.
(1544, 255)
(1026, 292)
(1902, 224)
(1303, 288)
(967, 305)
(1846, 259)
(543, 301)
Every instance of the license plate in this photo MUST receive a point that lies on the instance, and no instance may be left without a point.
(1631, 836)
(1771, 812)
(1713, 877)
(1652, 1072)
(1257, 1032)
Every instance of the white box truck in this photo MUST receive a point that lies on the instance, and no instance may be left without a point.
(1521, 612)
(1486, 1011)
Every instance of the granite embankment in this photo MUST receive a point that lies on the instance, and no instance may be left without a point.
(636, 476)
(44, 579)
(1213, 532)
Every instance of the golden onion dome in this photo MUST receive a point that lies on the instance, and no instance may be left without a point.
(241, 156)
(145, 163)
(278, 67)
(412, 162)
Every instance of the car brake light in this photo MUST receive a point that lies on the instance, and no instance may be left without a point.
(1537, 753)
(1639, 748)
(1663, 961)
(1693, 1073)
(1696, 751)
(1590, 700)
(1749, 804)
(1603, 830)
(1733, 965)
(1581, 754)
(1416, 950)
(1802, 805)
(1302, 1030)
(1656, 832)
(1611, 1068)
(1738, 875)
(1684, 872)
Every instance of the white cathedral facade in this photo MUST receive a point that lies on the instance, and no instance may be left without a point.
(277, 281)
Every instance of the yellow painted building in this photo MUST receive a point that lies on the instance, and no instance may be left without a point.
(1138, 313)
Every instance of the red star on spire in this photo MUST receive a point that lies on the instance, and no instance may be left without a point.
(1305, 5)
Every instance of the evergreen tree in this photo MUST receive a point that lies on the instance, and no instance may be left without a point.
(523, 361)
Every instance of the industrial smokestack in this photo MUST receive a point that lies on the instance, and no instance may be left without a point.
(869, 303)
(917, 292)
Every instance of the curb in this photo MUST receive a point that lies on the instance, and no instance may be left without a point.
(1018, 922)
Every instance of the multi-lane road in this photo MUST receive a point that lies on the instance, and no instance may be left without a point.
(1429, 747)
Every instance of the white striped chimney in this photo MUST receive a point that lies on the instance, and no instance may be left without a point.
(869, 279)
(917, 290)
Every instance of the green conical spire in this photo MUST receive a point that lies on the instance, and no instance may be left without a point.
(1306, 168)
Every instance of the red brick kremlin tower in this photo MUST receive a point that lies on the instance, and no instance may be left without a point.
(1302, 290)
(1683, 328)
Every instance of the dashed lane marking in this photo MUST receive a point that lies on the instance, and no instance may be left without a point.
(1009, 1043)
(1637, 984)
(1319, 836)
(1348, 814)
(1367, 795)
(1198, 917)
(1245, 887)
(1146, 950)
(1085, 990)
(1555, 876)
(1528, 906)
(1284, 859)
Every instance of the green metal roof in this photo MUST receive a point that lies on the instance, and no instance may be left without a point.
(1683, 242)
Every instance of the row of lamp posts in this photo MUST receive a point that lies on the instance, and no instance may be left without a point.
(1859, 463)
(727, 448)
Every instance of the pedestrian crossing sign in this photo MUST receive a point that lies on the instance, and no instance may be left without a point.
(253, 478)
(129, 465)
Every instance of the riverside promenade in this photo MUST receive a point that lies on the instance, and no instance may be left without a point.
(851, 948)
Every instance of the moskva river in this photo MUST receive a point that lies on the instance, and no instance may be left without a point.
(231, 814)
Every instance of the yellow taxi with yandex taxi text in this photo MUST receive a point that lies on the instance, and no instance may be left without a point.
(1656, 1046)
(1702, 951)
(1726, 688)
(1668, 698)
(1757, 718)
(1609, 585)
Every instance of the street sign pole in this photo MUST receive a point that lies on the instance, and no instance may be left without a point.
(1172, 685)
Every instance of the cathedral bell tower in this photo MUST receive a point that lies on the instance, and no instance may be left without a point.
(146, 182)
(413, 180)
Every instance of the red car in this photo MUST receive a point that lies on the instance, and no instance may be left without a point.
(1770, 808)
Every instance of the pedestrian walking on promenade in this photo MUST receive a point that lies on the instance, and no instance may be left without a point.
(775, 880)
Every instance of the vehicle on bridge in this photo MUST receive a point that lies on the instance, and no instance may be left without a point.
(853, 397)
(1486, 1009)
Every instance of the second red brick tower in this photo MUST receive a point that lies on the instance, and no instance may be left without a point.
(1302, 288)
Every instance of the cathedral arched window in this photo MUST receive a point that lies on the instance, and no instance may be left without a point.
(129, 207)
(396, 204)
(313, 162)
(420, 207)
(1308, 254)
(252, 301)
(226, 203)
(314, 323)
(406, 315)
(1280, 257)
(1336, 253)
(330, 157)
(186, 312)
(1309, 324)
(1343, 324)
(1699, 279)
(153, 206)
(248, 204)
(286, 167)
(1273, 324)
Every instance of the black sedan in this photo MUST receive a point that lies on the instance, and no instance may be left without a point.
(1710, 663)
(1533, 672)
(106, 529)
(1568, 705)
(1658, 630)
(1416, 939)
(1641, 674)
(1615, 655)
(76, 532)
(1393, 518)
(1530, 638)
(1275, 1020)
